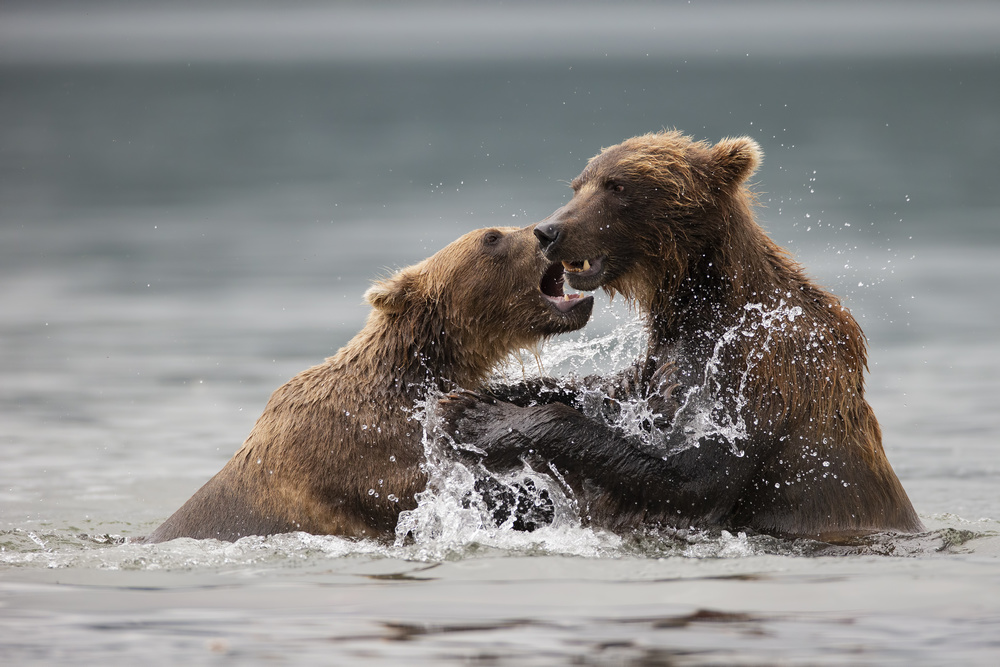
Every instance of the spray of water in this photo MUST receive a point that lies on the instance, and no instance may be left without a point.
(451, 514)
(452, 520)
(713, 409)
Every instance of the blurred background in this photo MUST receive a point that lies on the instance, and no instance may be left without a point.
(193, 198)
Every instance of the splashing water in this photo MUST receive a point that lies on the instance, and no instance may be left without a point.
(604, 355)
(452, 521)
(708, 409)
(704, 410)
(571, 358)
(451, 514)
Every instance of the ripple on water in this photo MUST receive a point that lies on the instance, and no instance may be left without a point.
(57, 550)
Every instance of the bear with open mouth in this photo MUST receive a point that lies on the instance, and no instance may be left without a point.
(337, 450)
(757, 374)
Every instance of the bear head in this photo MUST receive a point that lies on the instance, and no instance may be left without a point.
(643, 208)
(490, 292)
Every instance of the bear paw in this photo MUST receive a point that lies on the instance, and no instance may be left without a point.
(482, 425)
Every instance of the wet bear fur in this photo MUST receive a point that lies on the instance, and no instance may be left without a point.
(337, 449)
(667, 222)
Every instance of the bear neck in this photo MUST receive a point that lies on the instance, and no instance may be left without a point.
(415, 352)
(711, 292)
(702, 316)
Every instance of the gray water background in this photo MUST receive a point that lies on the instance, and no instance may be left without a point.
(192, 206)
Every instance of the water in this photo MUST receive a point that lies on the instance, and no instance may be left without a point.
(177, 239)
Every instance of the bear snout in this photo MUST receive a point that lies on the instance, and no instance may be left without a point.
(548, 233)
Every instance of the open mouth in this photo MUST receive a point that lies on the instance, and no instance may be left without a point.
(584, 268)
(552, 290)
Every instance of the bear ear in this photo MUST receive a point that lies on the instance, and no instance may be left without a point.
(736, 159)
(394, 294)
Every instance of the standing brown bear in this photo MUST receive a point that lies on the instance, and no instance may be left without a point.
(755, 375)
(337, 450)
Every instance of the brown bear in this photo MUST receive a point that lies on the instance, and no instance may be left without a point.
(337, 450)
(755, 374)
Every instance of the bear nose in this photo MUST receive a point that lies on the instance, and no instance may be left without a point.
(547, 234)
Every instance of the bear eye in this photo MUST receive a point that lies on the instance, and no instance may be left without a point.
(491, 238)
(614, 186)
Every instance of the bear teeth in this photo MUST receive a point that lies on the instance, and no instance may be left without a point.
(576, 267)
